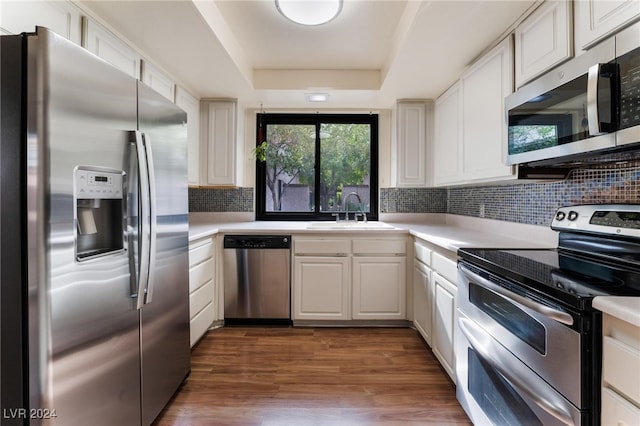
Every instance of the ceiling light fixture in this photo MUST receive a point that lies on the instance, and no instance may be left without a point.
(309, 12)
(316, 97)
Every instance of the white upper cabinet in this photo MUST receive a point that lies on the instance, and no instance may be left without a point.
(218, 148)
(191, 106)
(447, 141)
(470, 127)
(484, 87)
(61, 17)
(543, 40)
(106, 45)
(413, 127)
(598, 19)
(153, 77)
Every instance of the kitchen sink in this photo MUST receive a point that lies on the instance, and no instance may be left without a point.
(349, 225)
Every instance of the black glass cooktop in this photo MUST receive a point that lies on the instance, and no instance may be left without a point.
(565, 276)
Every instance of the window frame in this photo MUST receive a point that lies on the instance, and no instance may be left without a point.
(264, 119)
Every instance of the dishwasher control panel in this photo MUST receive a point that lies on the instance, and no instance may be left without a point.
(258, 241)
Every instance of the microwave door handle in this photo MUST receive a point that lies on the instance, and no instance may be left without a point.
(552, 313)
(533, 387)
(592, 100)
(144, 214)
(152, 218)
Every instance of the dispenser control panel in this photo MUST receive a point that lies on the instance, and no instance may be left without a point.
(93, 184)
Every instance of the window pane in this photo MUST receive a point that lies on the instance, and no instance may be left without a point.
(290, 168)
(345, 167)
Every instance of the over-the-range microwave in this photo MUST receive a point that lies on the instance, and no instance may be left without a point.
(588, 104)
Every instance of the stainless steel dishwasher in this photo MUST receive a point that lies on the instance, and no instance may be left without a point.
(257, 278)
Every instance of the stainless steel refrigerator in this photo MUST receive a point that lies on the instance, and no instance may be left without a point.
(94, 311)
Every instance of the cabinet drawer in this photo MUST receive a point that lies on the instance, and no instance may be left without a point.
(201, 298)
(444, 266)
(321, 246)
(380, 246)
(200, 251)
(200, 274)
(618, 411)
(618, 360)
(201, 323)
(422, 253)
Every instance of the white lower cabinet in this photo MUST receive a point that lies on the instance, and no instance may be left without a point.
(379, 288)
(444, 304)
(620, 356)
(349, 278)
(422, 299)
(202, 289)
(435, 272)
(321, 288)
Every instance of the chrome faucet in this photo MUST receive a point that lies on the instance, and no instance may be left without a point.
(345, 206)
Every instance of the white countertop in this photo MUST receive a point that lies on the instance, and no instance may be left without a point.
(450, 232)
(625, 308)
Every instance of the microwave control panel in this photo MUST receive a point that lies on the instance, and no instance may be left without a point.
(629, 89)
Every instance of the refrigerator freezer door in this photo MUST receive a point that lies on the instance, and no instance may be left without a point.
(83, 324)
(165, 316)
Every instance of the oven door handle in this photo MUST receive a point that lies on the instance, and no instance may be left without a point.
(552, 313)
(532, 387)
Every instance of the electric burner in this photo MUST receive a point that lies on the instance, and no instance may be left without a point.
(598, 255)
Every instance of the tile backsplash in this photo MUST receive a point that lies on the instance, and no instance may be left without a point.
(220, 199)
(413, 200)
(528, 202)
(535, 203)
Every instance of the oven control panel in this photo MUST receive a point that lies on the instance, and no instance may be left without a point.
(619, 219)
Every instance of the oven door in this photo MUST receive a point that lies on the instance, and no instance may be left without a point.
(538, 334)
(495, 387)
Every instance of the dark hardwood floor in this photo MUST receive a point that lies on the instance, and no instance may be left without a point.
(314, 376)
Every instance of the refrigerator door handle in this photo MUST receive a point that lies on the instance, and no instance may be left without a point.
(152, 218)
(145, 215)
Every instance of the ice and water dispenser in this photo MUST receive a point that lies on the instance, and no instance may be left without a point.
(99, 211)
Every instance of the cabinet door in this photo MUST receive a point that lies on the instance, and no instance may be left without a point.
(444, 308)
(446, 161)
(153, 77)
(412, 129)
(321, 288)
(192, 107)
(379, 288)
(543, 40)
(106, 45)
(422, 300)
(484, 88)
(597, 19)
(61, 17)
(219, 133)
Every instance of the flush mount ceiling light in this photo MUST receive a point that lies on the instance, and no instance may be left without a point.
(316, 97)
(309, 12)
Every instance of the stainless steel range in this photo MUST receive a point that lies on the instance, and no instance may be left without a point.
(528, 343)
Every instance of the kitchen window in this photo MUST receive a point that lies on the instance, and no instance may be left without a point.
(314, 166)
